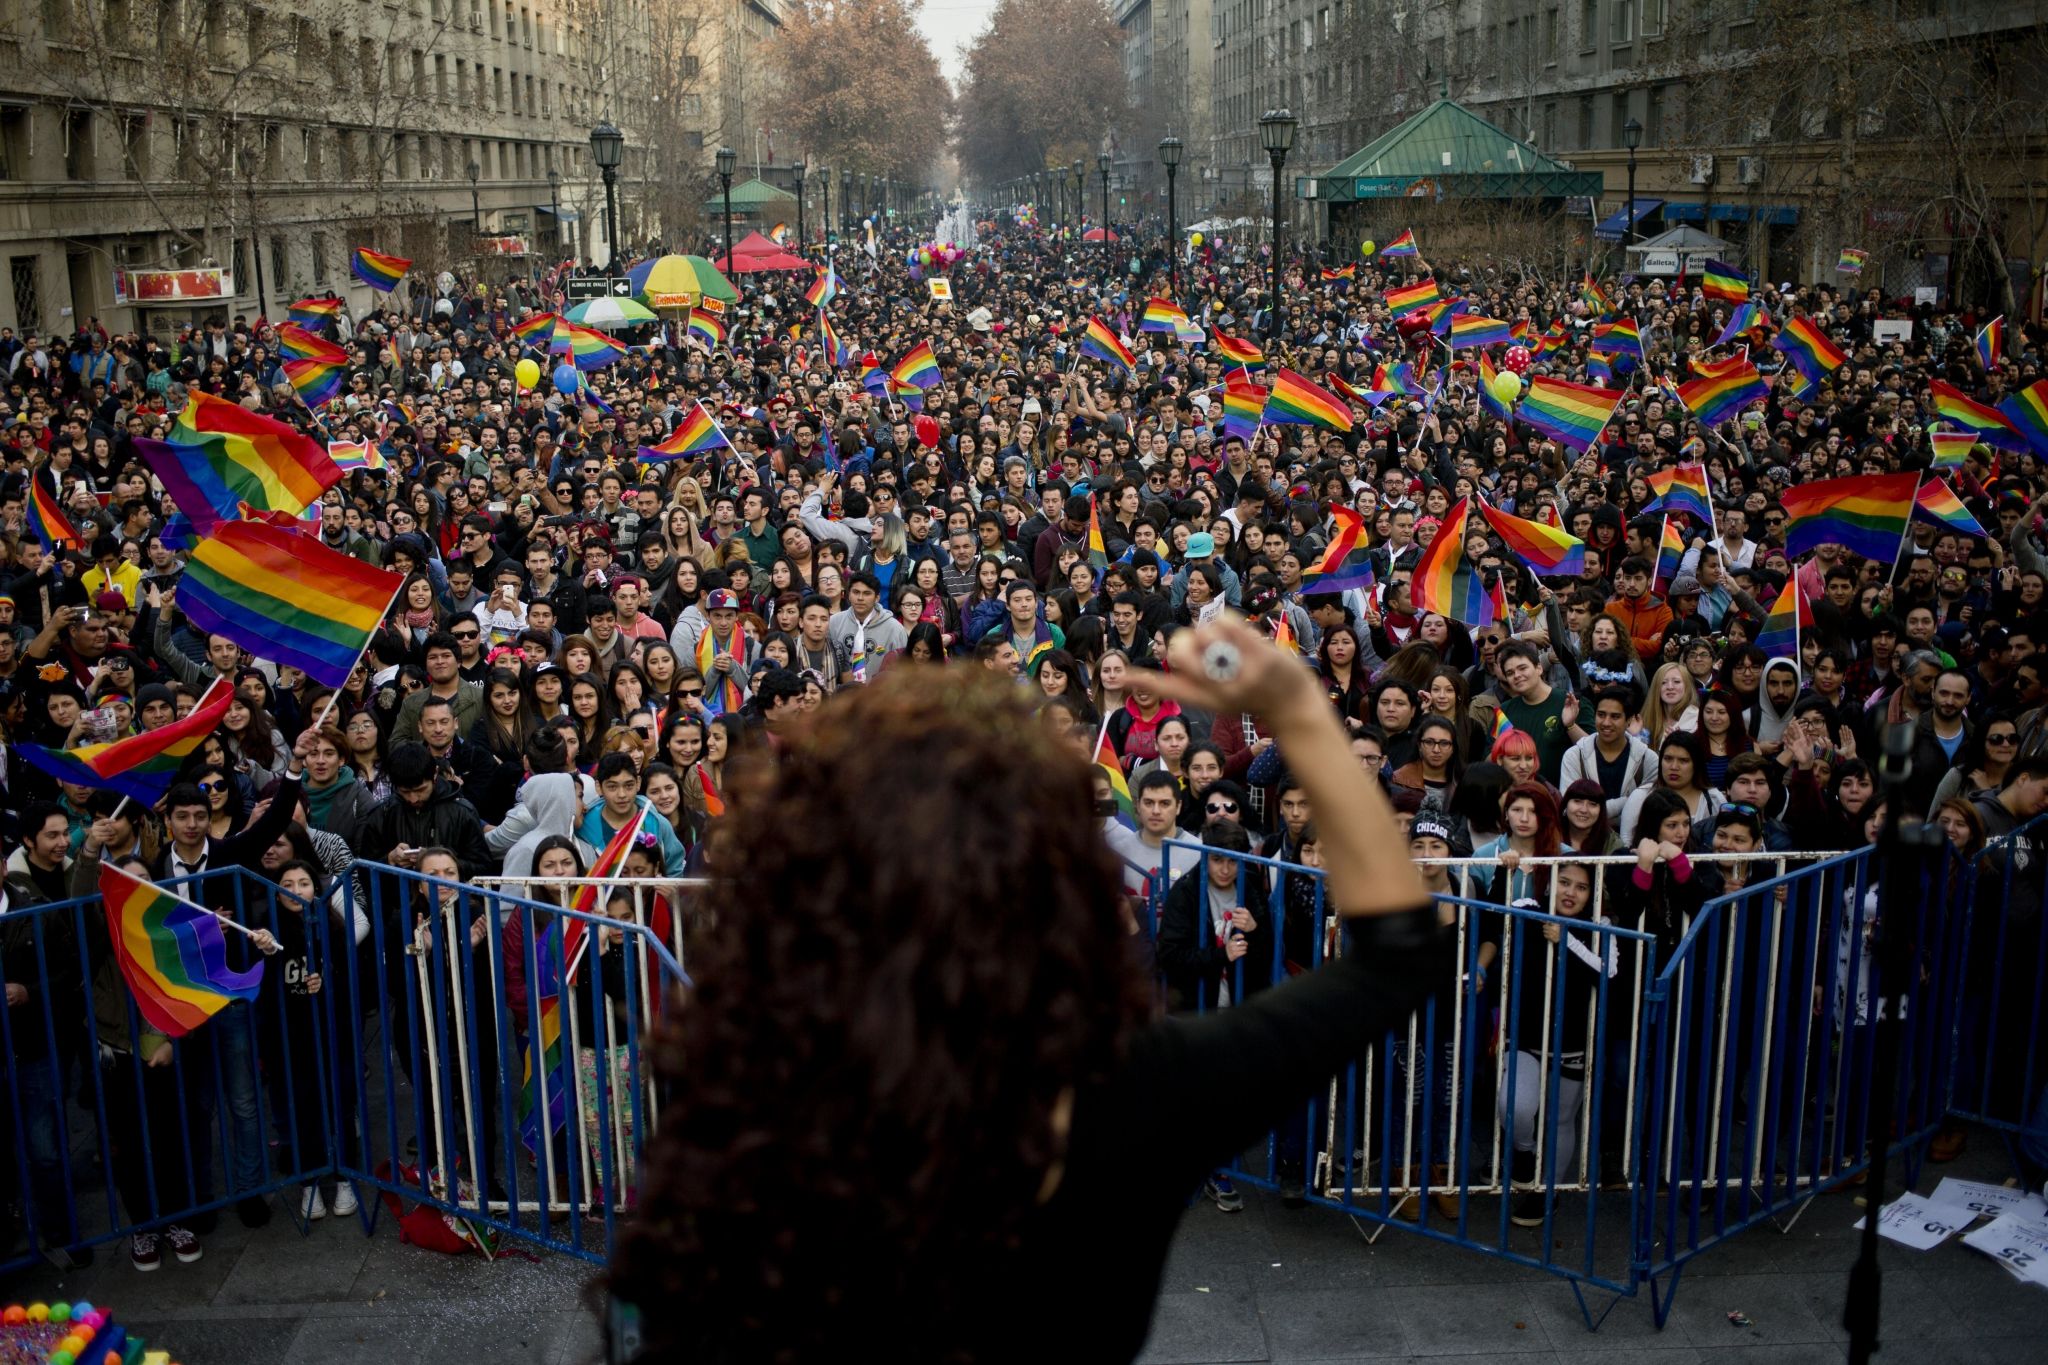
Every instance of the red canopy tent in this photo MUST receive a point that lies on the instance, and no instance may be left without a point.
(1091, 235)
(756, 253)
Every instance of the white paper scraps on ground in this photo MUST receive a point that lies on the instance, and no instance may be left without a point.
(2017, 1242)
(1912, 1221)
(1988, 1200)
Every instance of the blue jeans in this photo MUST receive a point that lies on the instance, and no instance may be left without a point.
(235, 1049)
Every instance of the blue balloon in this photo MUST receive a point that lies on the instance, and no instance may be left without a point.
(567, 379)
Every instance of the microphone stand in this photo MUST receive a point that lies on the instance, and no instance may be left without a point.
(1904, 849)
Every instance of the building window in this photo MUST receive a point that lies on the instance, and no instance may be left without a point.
(238, 261)
(309, 151)
(1653, 18)
(280, 262)
(13, 142)
(1653, 116)
(1550, 36)
(1589, 24)
(1621, 22)
(135, 146)
(1617, 115)
(1586, 121)
(78, 145)
(25, 274)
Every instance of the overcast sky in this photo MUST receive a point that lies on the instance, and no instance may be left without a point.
(950, 26)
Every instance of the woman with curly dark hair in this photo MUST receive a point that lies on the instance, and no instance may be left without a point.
(916, 1096)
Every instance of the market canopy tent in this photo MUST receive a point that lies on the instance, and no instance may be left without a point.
(752, 198)
(1682, 249)
(755, 253)
(1446, 152)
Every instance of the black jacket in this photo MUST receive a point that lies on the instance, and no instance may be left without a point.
(1192, 960)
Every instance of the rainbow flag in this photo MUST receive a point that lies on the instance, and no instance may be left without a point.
(285, 597)
(918, 368)
(585, 347)
(1937, 504)
(714, 804)
(1488, 401)
(1852, 261)
(1522, 331)
(837, 351)
(1991, 425)
(1571, 414)
(872, 379)
(1404, 245)
(535, 330)
(1683, 489)
(1808, 348)
(724, 699)
(1412, 298)
(1865, 513)
(1544, 548)
(382, 273)
(696, 434)
(1778, 636)
(1444, 315)
(1555, 338)
(1500, 726)
(1098, 552)
(220, 456)
(2027, 413)
(1747, 317)
(1295, 401)
(824, 289)
(296, 343)
(1399, 379)
(1621, 337)
(909, 395)
(590, 896)
(1120, 790)
(1342, 272)
(1991, 342)
(349, 456)
(706, 329)
(46, 520)
(1242, 354)
(1470, 330)
(1670, 552)
(1164, 315)
(314, 312)
(1364, 398)
(1283, 634)
(1102, 343)
(317, 382)
(140, 767)
(1244, 407)
(1344, 564)
(172, 955)
(1724, 283)
(1446, 583)
(1593, 296)
(1950, 448)
(546, 1088)
(1600, 366)
(1716, 397)
(394, 412)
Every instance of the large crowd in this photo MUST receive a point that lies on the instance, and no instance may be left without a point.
(583, 636)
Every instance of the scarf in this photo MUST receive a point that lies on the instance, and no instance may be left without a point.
(722, 698)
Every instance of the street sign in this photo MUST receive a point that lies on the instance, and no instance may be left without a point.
(581, 287)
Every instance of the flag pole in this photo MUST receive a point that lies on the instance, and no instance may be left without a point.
(334, 697)
(1906, 535)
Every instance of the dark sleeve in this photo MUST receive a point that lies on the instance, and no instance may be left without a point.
(1183, 949)
(472, 854)
(1272, 1051)
(246, 848)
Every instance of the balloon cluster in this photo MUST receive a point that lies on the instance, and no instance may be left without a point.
(944, 255)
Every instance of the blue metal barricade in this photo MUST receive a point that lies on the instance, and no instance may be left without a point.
(2001, 1069)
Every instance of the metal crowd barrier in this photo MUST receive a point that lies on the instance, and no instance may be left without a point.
(2001, 1075)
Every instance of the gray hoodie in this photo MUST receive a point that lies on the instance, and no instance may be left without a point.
(548, 804)
(1770, 723)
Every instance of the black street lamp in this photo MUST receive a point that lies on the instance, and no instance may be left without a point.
(1631, 138)
(555, 203)
(1276, 135)
(1169, 156)
(845, 202)
(1102, 168)
(607, 148)
(1080, 197)
(727, 160)
(476, 214)
(796, 172)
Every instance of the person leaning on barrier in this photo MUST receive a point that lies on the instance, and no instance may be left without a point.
(1214, 921)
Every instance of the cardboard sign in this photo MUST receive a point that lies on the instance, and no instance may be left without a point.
(941, 289)
(1891, 329)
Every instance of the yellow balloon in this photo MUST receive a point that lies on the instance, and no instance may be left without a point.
(1365, 247)
(1196, 239)
(1507, 386)
(528, 372)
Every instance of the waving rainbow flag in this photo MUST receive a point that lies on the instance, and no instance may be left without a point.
(349, 456)
(1113, 769)
(909, 395)
(1717, 396)
(1723, 283)
(1342, 272)
(1593, 296)
(706, 329)
(838, 351)
(1404, 245)
(1865, 513)
(1620, 337)
(2027, 412)
(1949, 449)
(296, 343)
(1670, 553)
(1808, 348)
(1412, 298)
(1488, 400)
(382, 273)
(534, 330)
(1544, 548)
(46, 520)
(171, 954)
(1683, 489)
(1991, 342)
(823, 289)
(286, 597)
(1446, 583)
(1852, 261)
(220, 456)
(1296, 401)
(140, 767)
(1351, 393)
(585, 347)
(1744, 320)
(1990, 424)
(1573, 415)
(696, 434)
(317, 382)
(918, 368)
(1164, 315)
(1937, 504)
(314, 312)
(1471, 330)
(1398, 379)
(1344, 563)
(1098, 551)
(872, 377)
(1101, 342)
(1778, 637)
(1443, 315)
(1242, 354)
(1244, 407)
(1555, 338)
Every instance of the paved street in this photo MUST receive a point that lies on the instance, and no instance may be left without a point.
(1265, 1284)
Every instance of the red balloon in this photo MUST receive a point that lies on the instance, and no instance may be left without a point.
(1413, 323)
(1517, 359)
(927, 431)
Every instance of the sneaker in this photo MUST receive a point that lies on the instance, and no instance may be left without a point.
(1527, 1209)
(310, 1206)
(143, 1253)
(1223, 1194)
(254, 1211)
(344, 1201)
(184, 1245)
(1293, 1185)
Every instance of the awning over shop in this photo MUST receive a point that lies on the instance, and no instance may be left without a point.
(1777, 215)
(1615, 224)
(563, 215)
(1446, 151)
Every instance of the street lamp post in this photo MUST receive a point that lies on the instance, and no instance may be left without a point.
(555, 203)
(1276, 135)
(825, 214)
(845, 202)
(796, 172)
(1102, 168)
(1631, 138)
(476, 214)
(1080, 198)
(1169, 155)
(726, 160)
(607, 147)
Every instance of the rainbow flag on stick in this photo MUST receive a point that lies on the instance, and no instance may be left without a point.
(1778, 637)
(1683, 489)
(382, 273)
(1746, 318)
(1296, 401)
(1244, 407)
(1164, 315)
(824, 289)
(1404, 245)
(1120, 790)
(296, 343)
(1412, 298)
(1717, 397)
(1620, 337)
(2026, 412)
(1991, 342)
(1541, 546)
(697, 434)
(1243, 354)
(140, 767)
(317, 382)
(1808, 348)
(1470, 330)
(1101, 343)
(1446, 583)
(1852, 261)
(46, 520)
(220, 456)
(918, 369)
(172, 954)
(585, 347)
(350, 456)
(1865, 513)
(1338, 570)
(1670, 552)
(706, 329)
(535, 330)
(1571, 414)
(1950, 448)
(314, 312)
(1937, 504)
(1724, 283)
(286, 597)
(1098, 552)
(1488, 400)
(1990, 424)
